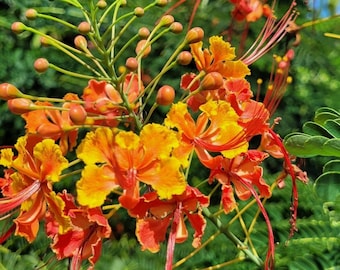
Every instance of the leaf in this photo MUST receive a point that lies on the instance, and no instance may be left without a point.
(333, 127)
(313, 128)
(327, 185)
(323, 116)
(333, 165)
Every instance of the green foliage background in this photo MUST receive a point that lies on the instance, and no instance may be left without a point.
(316, 84)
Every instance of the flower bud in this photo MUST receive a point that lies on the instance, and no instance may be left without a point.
(84, 28)
(194, 35)
(44, 41)
(31, 14)
(131, 63)
(184, 58)
(290, 54)
(143, 33)
(162, 3)
(48, 129)
(166, 20)
(176, 27)
(18, 27)
(80, 42)
(212, 81)
(165, 95)
(101, 4)
(41, 65)
(20, 105)
(141, 47)
(9, 91)
(123, 3)
(139, 11)
(77, 114)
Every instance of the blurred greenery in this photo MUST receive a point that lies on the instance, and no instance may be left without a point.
(315, 72)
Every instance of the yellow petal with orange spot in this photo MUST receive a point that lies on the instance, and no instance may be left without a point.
(52, 161)
(233, 69)
(220, 49)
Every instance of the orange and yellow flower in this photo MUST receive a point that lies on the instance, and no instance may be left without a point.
(216, 129)
(125, 160)
(219, 58)
(29, 184)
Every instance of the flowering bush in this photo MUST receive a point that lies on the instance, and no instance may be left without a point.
(132, 140)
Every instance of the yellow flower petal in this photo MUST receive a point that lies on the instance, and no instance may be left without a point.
(233, 69)
(96, 147)
(6, 157)
(95, 184)
(220, 49)
(127, 140)
(159, 140)
(51, 158)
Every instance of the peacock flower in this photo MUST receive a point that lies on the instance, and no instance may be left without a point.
(29, 185)
(125, 160)
(219, 58)
(154, 216)
(84, 240)
(216, 129)
(53, 124)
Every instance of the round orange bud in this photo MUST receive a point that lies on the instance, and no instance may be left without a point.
(77, 114)
(212, 81)
(101, 4)
(194, 35)
(162, 3)
(80, 42)
(176, 27)
(9, 91)
(20, 105)
(166, 20)
(18, 27)
(139, 11)
(131, 63)
(165, 95)
(184, 58)
(143, 33)
(41, 65)
(84, 27)
(141, 47)
(31, 14)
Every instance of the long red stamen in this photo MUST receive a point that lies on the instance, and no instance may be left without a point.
(9, 203)
(295, 195)
(172, 237)
(270, 35)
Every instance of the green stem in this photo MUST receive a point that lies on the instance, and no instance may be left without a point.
(52, 18)
(237, 242)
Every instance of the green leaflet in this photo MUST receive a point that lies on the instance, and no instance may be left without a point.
(320, 137)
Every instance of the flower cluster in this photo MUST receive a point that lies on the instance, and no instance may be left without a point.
(127, 160)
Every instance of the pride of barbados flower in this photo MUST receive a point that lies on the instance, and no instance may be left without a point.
(28, 184)
(125, 160)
